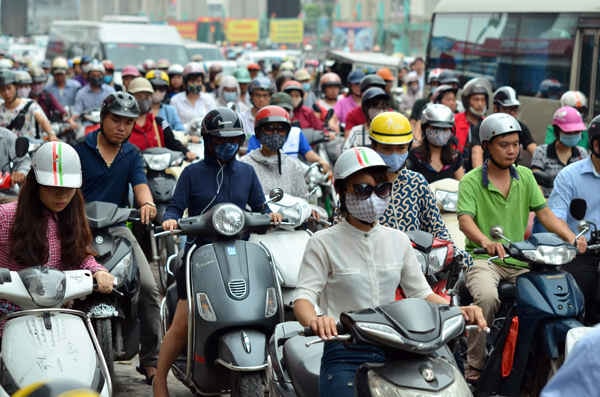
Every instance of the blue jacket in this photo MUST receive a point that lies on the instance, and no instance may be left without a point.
(168, 112)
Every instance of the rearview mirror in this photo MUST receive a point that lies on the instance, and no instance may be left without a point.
(21, 146)
(578, 208)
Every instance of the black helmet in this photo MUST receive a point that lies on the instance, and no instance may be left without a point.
(261, 83)
(438, 93)
(506, 96)
(121, 104)
(594, 133)
(371, 80)
(6, 77)
(371, 95)
(282, 99)
(448, 77)
(222, 122)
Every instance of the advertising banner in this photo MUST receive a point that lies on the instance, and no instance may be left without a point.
(353, 36)
(286, 30)
(241, 30)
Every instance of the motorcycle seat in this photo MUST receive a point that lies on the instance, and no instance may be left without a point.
(303, 365)
(506, 291)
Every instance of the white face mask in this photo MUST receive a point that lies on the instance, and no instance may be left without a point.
(296, 102)
(368, 210)
(158, 96)
(23, 92)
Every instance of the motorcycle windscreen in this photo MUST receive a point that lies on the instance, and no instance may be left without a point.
(31, 351)
(286, 249)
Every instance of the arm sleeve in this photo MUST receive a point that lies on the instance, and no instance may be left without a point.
(253, 144)
(431, 218)
(89, 263)
(560, 198)
(303, 145)
(537, 161)
(179, 201)
(78, 105)
(314, 120)
(525, 136)
(170, 141)
(137, 173)
(537, 199)
(550, 137)
(174, 119)
(467, 201)
(412, 279)
(256, 198)
(313, 273)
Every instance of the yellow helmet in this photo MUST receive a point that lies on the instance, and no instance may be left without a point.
(158, 77)
(57, 388)
(391, 128)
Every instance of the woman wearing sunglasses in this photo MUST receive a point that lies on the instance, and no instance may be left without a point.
(357, 264)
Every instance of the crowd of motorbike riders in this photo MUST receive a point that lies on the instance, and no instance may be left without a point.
(252, 128)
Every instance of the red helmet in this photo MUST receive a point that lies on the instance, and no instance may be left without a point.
(108, 65)
(292, 85)
(271, 114)
(253, 66)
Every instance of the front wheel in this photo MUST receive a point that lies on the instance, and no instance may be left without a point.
(166, 248)
(250, 384)
(103, 329)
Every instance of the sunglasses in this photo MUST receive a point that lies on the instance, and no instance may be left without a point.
(363, 190)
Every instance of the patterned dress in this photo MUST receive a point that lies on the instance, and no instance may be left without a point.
(413, 207)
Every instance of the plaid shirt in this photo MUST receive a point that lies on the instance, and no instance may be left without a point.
(7, 217)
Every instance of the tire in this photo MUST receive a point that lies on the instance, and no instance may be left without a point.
(166, 248)
(103, 329)
(250, 384)
(545, 369)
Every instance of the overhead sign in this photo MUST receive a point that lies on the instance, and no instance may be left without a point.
(241, 30)
(286, 30)
(187, 30)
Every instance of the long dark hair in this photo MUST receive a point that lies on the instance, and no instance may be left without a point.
(28, 233)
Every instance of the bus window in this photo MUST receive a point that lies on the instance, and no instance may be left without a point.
(587, 64)
(448, 37)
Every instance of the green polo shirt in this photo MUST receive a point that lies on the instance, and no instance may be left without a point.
(479, 198)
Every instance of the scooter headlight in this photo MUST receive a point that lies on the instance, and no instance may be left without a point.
(228, 219)
(381, 387)
(45, 286)
(446, 200)
(122, 268)
(157, 162)
(551, 255)
(437, 258)
(271, 303)
(205, 309)
(422, 260)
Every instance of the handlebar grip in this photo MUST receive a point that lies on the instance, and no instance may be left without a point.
(479, 251)
(308, 331)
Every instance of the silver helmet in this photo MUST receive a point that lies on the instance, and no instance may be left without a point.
(506, 96)
(437, 115)
(497, 124)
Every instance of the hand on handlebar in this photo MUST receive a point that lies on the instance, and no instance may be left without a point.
(494, 248)
(169, 225)
(105, 281)
(581, 244)
(17, 178)
(276, 218)
(474, 315)
(324, 326)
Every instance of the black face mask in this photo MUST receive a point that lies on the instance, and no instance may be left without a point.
(96, 81)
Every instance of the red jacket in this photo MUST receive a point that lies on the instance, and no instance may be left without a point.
(145, 137)
(462, 128)
(307, 119)
(355, 117)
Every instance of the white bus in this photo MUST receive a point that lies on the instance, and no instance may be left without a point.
(539, 47)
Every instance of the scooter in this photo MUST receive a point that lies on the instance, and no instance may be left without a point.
(195, 142)
(162, 186)
(320, 189)
(412, 332)
(233, 301)
(44, 340)
(445, 192)
(527, 339)
(115, 316)
(8, 190)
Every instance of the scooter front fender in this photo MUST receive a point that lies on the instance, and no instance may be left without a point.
(243, 350)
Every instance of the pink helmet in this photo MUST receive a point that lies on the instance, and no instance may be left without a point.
(130, 70)
(568, 119)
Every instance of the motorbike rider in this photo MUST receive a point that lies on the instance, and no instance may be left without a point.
(580, 180)
(260, 89)
(129, 73)
(20, 165)
(91, 95)
(218, 178)
(176, 86)
(374, 101)
(475, 96)
(62, 87)
(358, 116)
(302, 113)
(551, 158)
(49, 104)
(412, 94)
(20, 114)
(243, 77)
(160, 85)
(356, 264)
(47, 225)
(110, 165)
(499, 193)
(303, 77)
(577, 100)
(254, 70)
(109, 72)
(193, 103)
(272, 166)
(213, 71)
(229, 93)
(436, 157)
(330, 85)
(388, 77)
(345, 105)
(150, 131)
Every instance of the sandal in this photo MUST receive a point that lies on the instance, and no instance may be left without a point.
(472, 374)
(143, 371)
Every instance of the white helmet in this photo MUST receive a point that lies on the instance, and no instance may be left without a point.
(357, 159)
(575, 99)
(57, 164)
(497, 124)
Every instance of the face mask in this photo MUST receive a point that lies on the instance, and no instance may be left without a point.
(477, 113)
(394, 161)
(372, 112)
(230, 96)
(37, 89)
(145, 105)
(158, 97)
(570, 140)
(438, 136)
(23, 92)
(296, 102)
(108, 79)
(226, 151)
(306, 86)
(96, 81)
(194, 89)
(368, 210)
(274, 142)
